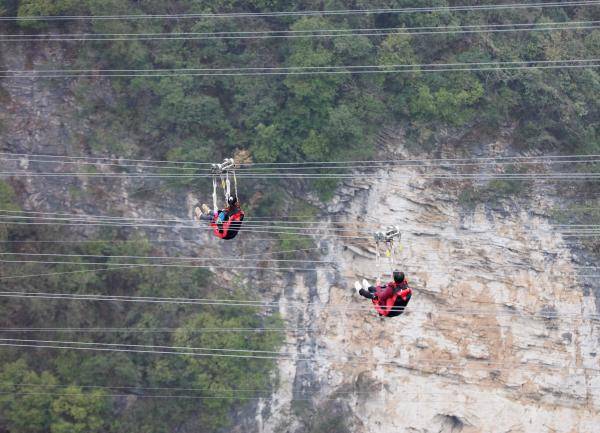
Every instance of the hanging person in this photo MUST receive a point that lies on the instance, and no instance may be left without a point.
(389, 299)
(226, 223)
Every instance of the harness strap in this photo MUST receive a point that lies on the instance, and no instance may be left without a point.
(223, 187)
(214, 195)
(391, 255)
(378, 263)
(235, 186)
(227, 188)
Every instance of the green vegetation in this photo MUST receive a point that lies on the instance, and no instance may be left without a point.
(333, 416)
(7, 197)
(45, 390)
(495, 190)
(8, 203)
(321, 117)
(43, 405)
(583, 213)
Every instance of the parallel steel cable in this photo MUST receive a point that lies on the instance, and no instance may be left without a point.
(251, 222)
(87, 158)
(549, 315)
(306, 233)
(227, 352)
(138, 388)
(251, 257)
(213, 390)
(103, 164)
(136, 330)
(375, 70)
(345, 71)
(317, 68)
(410, 402)
(291, 221)
(411, 268)
(116, 267)
(150, 346)
(410, 67)
(197, 228)
(230, 259)
(303, 13)
(305, 225)
(53, 274)
(291, 330)
(309, 31)
(297, 34)
(279, 219)
(176, 258)
(352, 226)
(296, 357)
(533, 177)
(274, 230)
(166, 265)
(200, 227)
(248, 167)
(387, 161)
(325, 164)
(248, 222)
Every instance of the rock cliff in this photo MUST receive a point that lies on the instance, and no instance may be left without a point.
(497, 337)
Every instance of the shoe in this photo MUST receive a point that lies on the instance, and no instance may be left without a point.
(205, 209)
(358, 287)
(365, 294)
(365, 284)
(197, 213)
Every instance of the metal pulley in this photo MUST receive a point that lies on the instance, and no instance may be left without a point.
(387, 236)
(222, 171)
(224, 167)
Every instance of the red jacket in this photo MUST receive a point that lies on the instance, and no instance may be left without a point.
(392, 295)
(229, 228)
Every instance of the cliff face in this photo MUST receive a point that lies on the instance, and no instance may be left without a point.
(495, 338)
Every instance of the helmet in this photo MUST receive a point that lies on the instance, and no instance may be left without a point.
(398, 276)
(231, 200)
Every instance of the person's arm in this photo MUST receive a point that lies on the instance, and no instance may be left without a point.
(404, 293)
(401, 286)
(384, 293)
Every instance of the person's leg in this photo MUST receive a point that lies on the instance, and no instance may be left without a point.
(366, 294)
(358, 287)
(197, 213)
(222, 217)
(202, 213)
(372, 289)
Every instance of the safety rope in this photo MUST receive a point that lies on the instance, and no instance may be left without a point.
(237, 197)
(214, 195)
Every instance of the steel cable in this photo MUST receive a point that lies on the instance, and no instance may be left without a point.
(306, 70)
(272, 355)
(303, 13)
(295, 34)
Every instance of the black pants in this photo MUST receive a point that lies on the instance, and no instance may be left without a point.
(370, 294)
(399, 306)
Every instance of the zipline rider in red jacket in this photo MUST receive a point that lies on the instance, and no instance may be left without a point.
(391, 299)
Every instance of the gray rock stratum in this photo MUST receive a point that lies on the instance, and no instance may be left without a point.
(497, 338)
